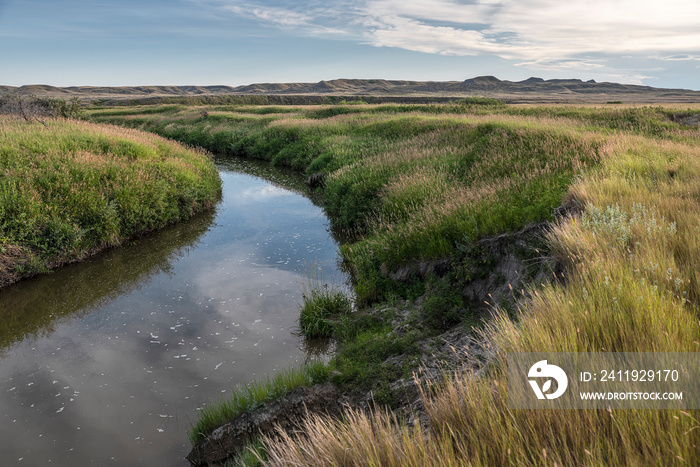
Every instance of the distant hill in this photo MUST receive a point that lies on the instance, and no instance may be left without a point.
(529, 90)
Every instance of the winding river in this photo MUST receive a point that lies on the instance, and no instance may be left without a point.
(106, 362)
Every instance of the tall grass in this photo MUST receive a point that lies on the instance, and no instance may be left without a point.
(69, 188)
(472, 425)
(631, 286)
(360, 439)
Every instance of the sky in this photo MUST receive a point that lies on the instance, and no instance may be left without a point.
(231, 42)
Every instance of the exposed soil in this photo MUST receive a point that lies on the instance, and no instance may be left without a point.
(228, 439)
(687, 119)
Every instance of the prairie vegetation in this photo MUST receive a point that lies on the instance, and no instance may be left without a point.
(418, 183)
(632, 286)
(71, 188)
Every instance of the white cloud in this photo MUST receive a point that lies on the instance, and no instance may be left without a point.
(629, 78)
(550, 35)
(536, 29)
(679, 58)
(266, 192)
(414, 35)
(574, 36)
(279, 16)
(302, 16)
(559, 65)
(435, 10)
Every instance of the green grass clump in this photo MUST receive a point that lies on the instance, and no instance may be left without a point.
(321, 308)
(363, 362)
(255, 394)
(444, 305)
(69, 189)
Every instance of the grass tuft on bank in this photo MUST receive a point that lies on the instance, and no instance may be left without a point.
(71, 188)
(321, 308)
(244, 398)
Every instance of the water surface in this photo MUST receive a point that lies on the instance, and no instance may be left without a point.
(106, 362)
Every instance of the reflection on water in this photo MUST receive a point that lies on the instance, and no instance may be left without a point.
(107, 361)
(33, 308)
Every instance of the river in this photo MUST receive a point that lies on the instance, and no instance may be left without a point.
(106, 362)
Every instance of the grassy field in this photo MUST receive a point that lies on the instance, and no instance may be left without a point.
(632, 286)
(69, 189)
(417, 183)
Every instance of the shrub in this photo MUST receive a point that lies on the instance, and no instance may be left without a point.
(32, 108)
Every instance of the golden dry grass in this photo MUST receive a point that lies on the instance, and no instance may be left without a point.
(631, 285)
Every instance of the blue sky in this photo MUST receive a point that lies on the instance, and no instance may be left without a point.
(206, 42)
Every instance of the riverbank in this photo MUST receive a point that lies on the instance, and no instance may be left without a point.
(631, 286)
(418, 187)
(69, 189)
